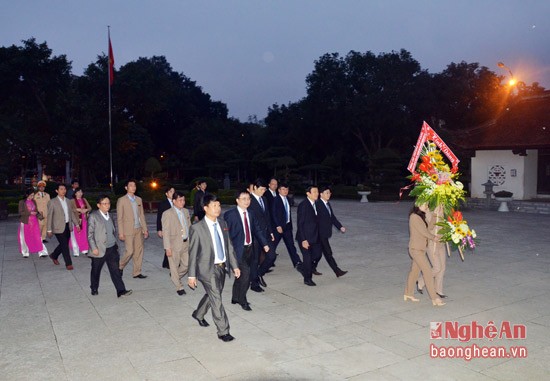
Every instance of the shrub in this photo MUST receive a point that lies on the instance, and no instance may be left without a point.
(503, 193)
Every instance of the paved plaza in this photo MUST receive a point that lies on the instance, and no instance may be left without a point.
(356, 327)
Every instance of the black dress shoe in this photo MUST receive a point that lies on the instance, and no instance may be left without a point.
(124, 293)
(226, 337)
(94, 292)
(44, 241)
(257, 289)
(233, 301)
(181, 292)
(309, 282)
(202, 322)
(262, 281)
(315, 272)
(140, 276)
(442, 296)
(341, 273)
(268, 271)
(419, 289)
(246, 307)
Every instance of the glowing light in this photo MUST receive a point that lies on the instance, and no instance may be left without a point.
(154, 184)
(512, 82)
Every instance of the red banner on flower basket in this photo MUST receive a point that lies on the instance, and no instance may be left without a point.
(427, 133)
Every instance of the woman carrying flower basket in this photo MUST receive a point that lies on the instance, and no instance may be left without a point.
(436, 253)
(418, 243)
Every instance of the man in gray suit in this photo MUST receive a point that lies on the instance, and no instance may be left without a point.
(103, 247)
(211, 256)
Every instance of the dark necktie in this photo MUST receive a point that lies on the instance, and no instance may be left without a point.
(328, 208)
(246, 230)
(262, 204)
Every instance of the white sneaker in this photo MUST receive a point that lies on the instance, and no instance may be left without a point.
(76, 254)
(42, 255)
(25, 255)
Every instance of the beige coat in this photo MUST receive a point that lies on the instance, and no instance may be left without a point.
(42, 202)
(56, 216)
(172, 230)
(419, 232)
(125, 215)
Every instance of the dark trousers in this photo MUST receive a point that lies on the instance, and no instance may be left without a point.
(289, 243)
(165, 264)
(310, 256)
(112, 258)
(63, 247)
(327, 252)
(240, 286)
(256, 269)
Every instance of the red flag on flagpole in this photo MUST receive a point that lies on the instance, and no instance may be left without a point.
(111, 64)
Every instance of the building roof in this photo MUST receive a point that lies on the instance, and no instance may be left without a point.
(524, 124)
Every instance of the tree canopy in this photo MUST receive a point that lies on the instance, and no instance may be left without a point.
(358, 121)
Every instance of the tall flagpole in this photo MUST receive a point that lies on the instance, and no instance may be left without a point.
(109, 82)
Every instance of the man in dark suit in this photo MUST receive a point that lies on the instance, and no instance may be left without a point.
(326, 220)
(258, 206)
(307, 233)
(198, 212)
(211, 256)
(164, 205)
(243, 230)
(282, 222)
(271, 192)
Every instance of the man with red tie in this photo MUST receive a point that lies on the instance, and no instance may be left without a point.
(243, 230)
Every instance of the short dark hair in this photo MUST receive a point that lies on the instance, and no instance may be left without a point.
(240, 192)
(283, 185)
(259, 182)
(177, 194)
(130, 181)
(77, 189)
(201, 181)
(310, 187)
(74, 181)
(167, 188)
(102, 197)
(208, 198)
(323, 188)
(60, 185)
(273, 178)
(28, 191)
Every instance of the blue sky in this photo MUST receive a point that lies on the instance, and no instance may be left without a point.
(251, 54)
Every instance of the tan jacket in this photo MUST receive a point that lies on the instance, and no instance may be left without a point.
(419, 232)
(172, 230)
(125, 215)
(42, 202)
(56, 216)
(73, 207)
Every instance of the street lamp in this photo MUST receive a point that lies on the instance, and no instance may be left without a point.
(512, 80)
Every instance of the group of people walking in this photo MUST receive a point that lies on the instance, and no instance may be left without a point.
(204, 246)
(207, 246)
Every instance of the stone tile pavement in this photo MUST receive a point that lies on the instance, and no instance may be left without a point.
(352, 328)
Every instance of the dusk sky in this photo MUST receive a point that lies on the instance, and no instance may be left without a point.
(251, 54)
